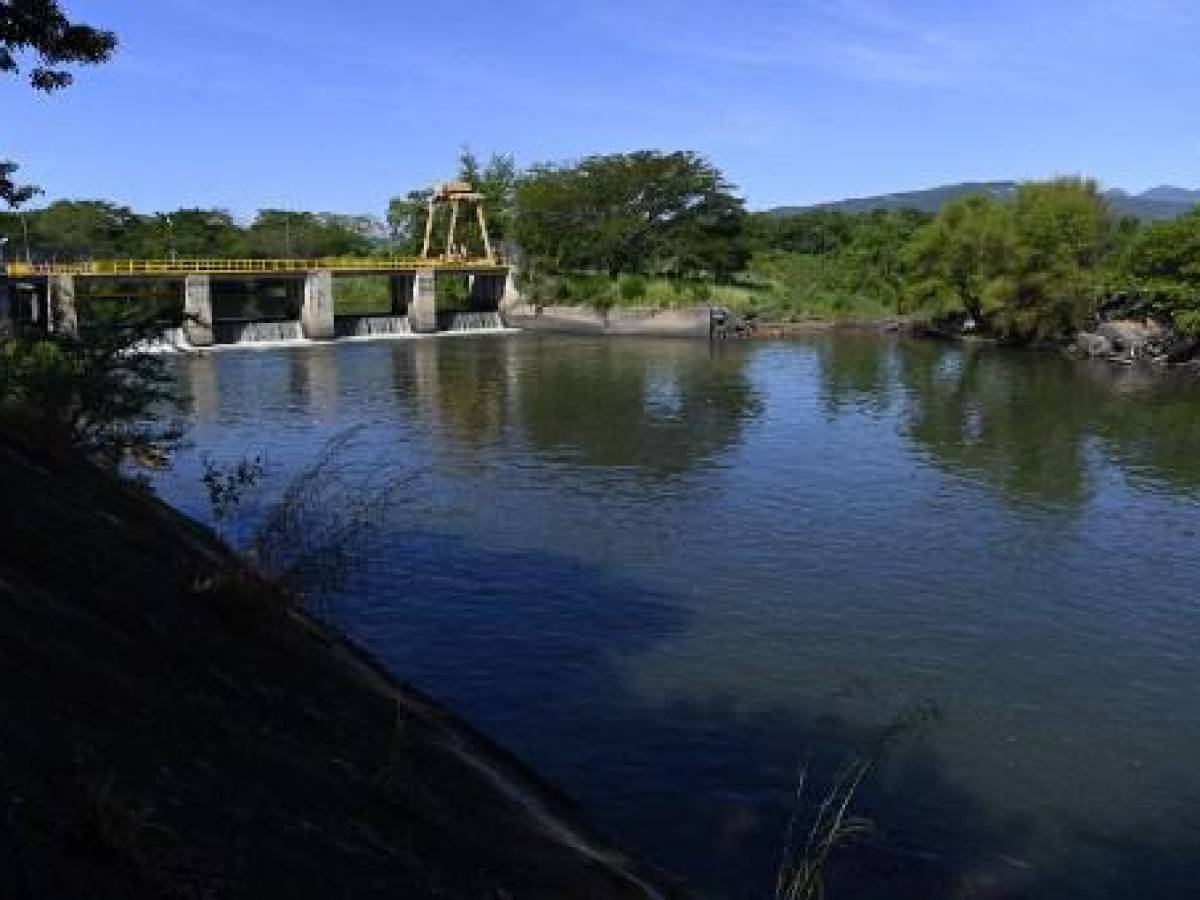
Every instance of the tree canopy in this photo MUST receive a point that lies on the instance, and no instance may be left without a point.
(1163, 262)
(39, 29)
(14, 195)
(637, 212)
(1028, 269)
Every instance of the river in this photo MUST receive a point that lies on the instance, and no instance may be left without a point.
(666, 574)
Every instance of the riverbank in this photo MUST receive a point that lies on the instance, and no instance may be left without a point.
(1123, 342)
(685, 321)
(176, 726)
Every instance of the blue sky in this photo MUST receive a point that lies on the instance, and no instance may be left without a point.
(337, 106)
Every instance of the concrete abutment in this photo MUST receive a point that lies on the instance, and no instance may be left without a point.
(63, 314)
(316, 315)
(198, 310)
(422, 312)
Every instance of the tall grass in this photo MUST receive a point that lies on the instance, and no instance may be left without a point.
(314, 534)
(806, 855)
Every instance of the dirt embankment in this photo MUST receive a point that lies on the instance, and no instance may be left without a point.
(172, 726)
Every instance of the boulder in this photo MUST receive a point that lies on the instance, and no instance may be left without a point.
(1126, 336)
(1090, 344)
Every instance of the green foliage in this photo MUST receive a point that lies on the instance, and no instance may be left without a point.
(816, 231)
(100, 392)
(14, 195)
(497, 181)
(195, 233)
(1029, 269)
(364, 295)
(39, 28)
(633, 287)
(833, 265)
(82, 229)
(1162, 263)
(1061, 232)
(97, 229)
(304, 235)
(952, 260)
(451, 291)
(643, 212)
(406, 221)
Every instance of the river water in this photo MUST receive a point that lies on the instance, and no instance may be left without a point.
(666, 574)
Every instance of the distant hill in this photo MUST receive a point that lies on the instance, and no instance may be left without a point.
(1163, 202)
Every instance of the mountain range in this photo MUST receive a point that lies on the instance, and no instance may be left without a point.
(1163, 202)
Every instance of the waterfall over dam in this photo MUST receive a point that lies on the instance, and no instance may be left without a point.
(354, 327)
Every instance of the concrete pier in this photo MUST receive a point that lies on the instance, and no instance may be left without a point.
(422, 312)
(197, 310)
(316, 316)
(63, 316)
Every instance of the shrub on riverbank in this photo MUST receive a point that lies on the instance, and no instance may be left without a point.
(100, 392)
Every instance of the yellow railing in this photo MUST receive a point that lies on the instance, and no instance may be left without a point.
(144, 267)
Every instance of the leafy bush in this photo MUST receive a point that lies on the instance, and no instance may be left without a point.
(101, 392)
(633, 287)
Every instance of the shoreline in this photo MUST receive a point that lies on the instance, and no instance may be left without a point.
(210, 731)
(716, 323)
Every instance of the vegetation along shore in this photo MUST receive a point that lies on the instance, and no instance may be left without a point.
(1044, 263)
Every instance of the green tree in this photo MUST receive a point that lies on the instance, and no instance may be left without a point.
(1062, 230)
(406, 221)
(1031, 268)
(634, 212)
(83, 229)
(281, 233)
(15, 196)
(41, 30)
(497, 181)
(953, 259)
(872, 264)
(197, 233)
(818, 231)
(1162, 263)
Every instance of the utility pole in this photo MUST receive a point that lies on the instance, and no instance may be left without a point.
(171, 232)
(25, 228)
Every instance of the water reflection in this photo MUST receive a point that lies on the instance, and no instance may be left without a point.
(857, 372)
(662, 571)
(660, 407)
(1026, 423)
(464, 387)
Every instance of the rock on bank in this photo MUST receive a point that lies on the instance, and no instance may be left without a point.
(173, 727)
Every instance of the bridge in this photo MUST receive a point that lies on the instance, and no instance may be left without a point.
(45, 294)
(181, 268)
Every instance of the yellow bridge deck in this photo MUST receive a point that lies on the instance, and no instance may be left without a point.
(181, 268)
